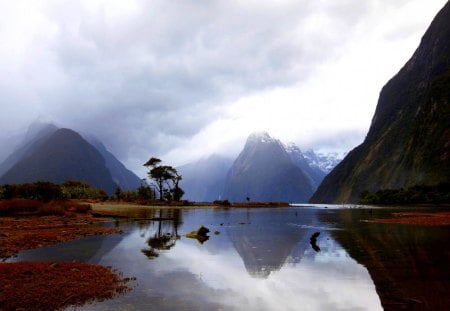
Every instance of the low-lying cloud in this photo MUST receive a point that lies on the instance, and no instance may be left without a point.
(181, 79)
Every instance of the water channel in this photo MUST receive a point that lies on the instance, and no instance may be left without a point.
(298, 258)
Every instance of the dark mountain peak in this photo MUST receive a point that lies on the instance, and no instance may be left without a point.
(259, 137)
(67, 132)
(412, 82)
(35, 135)
(47, 135)
(263, 171)
(38, 129)
(61, 156)
(262, 140)
(408, 142)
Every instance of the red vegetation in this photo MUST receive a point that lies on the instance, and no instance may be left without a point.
(56, 285)
(44, 224)
(417, 218)
(27, 224)
(36, 231)
(21, 207)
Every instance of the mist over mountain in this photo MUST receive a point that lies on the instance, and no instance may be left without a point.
(204, 180)
(35, 135)
(123, 177)
(52, 154)
(408, 142)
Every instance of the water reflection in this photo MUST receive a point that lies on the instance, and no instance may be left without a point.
(257, 260)
(166, 235)
(409, 264)
(264, 242)
(260, 260)
(313, 241)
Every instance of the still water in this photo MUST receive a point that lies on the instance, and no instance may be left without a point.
(254, 259)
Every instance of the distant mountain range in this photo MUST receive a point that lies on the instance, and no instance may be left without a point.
(408, 142)
(265, 170)
(53, 154)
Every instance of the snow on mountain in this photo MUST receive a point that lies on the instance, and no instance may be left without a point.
(325, 162)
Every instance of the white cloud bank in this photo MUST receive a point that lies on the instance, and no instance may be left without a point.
(182, 79)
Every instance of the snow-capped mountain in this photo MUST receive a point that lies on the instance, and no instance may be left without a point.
(265, 170)
(325, 162)
(314, 173)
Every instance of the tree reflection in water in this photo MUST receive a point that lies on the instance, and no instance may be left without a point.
(166, 234)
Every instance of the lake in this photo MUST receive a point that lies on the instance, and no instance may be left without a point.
(298, 258)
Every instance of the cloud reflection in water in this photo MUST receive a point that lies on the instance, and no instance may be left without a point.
(240, 269)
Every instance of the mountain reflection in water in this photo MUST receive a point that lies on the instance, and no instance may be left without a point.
(408, 263)
(259, 259)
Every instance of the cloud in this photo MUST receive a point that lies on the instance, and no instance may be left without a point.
(178, 79)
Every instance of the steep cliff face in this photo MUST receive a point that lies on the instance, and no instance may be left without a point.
(409, 139)
(263, 171)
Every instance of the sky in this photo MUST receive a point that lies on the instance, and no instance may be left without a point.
(181, 80)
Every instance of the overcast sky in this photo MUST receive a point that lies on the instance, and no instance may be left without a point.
(183, 79)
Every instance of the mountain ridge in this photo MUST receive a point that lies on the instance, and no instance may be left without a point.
(35, 145)
(64, 155)
(206, 179)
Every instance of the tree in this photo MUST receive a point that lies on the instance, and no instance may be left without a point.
(166, 179)
(177, 192)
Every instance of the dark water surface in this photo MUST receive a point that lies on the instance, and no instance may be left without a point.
(270, 259)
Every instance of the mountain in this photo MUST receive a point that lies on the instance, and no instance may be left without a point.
(264, 171)
(322, 162)
(35, 135)
(204, 180)
(408, 142)
(312, 169)
(61, 156)
(123, 177)
(39, 132)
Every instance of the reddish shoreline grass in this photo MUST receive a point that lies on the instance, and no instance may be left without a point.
(417, 218)
(20, 233)
(26, 224)
(56, 285)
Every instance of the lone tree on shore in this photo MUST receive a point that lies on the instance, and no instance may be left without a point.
(166, 179)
